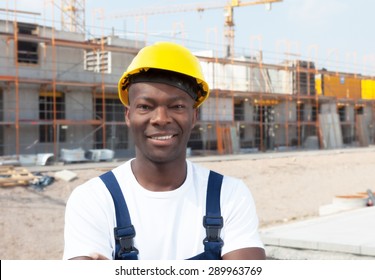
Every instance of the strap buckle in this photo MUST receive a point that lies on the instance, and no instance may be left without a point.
(125, 237)
(213, 226)
(127, 246)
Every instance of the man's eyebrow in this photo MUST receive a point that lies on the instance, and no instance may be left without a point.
(145, 97)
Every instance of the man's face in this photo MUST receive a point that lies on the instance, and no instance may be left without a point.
(161, 118)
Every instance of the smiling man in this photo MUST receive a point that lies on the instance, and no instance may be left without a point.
(160, 116)
(160, 205)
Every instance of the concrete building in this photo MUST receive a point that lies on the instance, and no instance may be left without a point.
(58, 90)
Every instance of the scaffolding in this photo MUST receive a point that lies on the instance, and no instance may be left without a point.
(58, 90)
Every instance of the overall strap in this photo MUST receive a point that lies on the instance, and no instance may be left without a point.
(213, 221)
(124, 232)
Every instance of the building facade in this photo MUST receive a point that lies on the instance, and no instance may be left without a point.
(58, 90)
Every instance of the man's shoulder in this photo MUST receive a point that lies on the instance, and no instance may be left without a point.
(95, 186)
(92, 185)
(203, 172)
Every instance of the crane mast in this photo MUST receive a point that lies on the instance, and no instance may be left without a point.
(73, 15)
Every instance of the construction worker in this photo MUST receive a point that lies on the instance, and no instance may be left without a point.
(160, 205)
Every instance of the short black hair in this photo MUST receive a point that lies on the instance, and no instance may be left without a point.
(181, 81)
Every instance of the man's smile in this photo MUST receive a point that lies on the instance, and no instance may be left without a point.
(165, 137)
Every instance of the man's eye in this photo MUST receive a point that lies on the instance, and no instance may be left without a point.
(179, 106)
(143, 107)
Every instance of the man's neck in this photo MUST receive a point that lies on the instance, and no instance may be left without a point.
(159, 176)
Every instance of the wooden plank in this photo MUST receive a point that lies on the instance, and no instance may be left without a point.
(219, 140)
(10, 177)
(227, 141)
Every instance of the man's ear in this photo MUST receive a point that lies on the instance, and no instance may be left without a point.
(195, 118)
(126, 115)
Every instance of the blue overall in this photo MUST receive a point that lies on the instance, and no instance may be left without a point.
(125, 232)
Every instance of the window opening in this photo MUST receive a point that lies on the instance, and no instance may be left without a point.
(116, 134)
(46, 131)
(27, 51)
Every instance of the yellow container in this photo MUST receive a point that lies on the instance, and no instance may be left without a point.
(341, 86)
(368, 89)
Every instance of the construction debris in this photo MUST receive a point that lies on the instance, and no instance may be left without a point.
(100, 155)
(65, 175)
(73, 155)
(10, 176)
(41, 181)
(80, 155)
(9, 161)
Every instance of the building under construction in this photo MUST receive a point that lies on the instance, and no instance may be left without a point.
(58, 90)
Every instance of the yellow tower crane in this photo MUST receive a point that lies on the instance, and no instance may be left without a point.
(200, 7)
(229, 20)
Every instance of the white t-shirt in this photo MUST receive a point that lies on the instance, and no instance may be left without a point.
(168, 225)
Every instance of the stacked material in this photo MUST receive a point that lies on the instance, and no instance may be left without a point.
(10, 176)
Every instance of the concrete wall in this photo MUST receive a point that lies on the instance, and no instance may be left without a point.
(247, 78)
(249, 130)
(217, 109)
(64, 63)
(61, 64)
(29, 110)
(285, 114)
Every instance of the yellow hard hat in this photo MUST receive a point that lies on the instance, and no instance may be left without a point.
(165, 56)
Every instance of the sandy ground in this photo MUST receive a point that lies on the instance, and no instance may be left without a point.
(286, 187)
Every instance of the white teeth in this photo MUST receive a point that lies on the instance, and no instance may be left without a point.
(162, 137)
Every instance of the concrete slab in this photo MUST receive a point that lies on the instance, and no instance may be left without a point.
(350, 232)
(65, 175)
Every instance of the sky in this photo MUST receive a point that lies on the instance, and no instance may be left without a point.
(335, 34)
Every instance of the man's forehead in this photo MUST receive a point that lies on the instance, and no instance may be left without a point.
(187, 84)
(152, 90)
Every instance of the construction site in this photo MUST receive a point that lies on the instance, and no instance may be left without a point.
(58, 95)
(298, 132)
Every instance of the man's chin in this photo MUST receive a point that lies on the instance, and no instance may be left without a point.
(162, 158)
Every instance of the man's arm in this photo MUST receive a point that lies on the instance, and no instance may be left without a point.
(92, 257)
(246, 254)
(241, 235)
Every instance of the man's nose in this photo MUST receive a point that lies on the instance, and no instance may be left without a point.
(161, 116)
